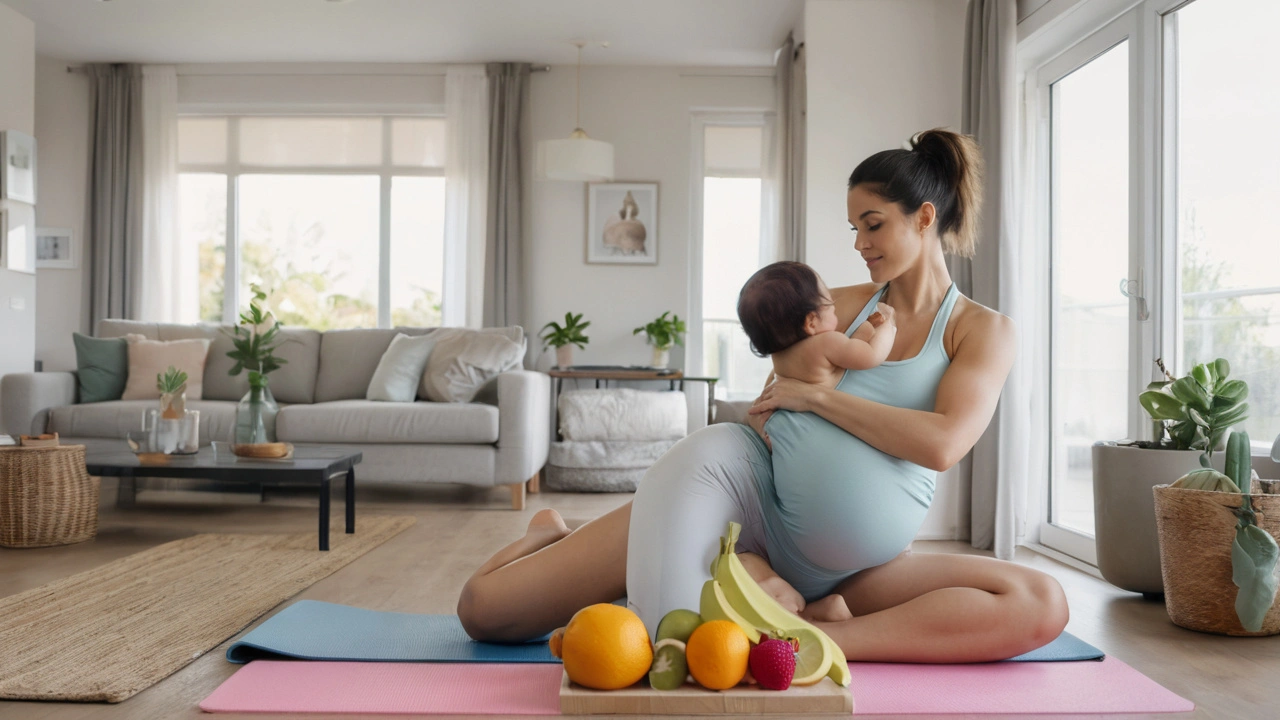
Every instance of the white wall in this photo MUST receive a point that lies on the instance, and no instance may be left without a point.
(17, 112)
(879, 71)
(647, 114)
(62, 297)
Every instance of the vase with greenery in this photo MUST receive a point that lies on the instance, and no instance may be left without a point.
(172, 385)
(1192, 416)
(256, 339)
(662, 333)
(563, 337)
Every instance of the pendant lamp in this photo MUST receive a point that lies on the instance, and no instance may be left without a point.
(578, 157)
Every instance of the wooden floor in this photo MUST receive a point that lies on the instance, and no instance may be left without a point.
(422, 570)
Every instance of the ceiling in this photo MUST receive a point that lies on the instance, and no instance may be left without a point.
(640, 32)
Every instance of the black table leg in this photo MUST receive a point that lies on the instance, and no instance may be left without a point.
(324, 512)
(351, 500)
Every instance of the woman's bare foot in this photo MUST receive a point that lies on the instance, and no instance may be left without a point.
(831, 608)
(545, 528)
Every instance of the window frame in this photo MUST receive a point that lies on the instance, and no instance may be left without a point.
(233, 169)
(699, 122)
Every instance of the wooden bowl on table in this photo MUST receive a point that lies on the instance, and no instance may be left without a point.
(264, 451)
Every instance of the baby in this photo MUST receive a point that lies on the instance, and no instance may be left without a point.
(787, 313)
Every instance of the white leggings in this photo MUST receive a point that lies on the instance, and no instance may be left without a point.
(682, 507)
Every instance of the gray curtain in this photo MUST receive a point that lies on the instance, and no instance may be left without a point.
(115, 192)
(508, 96)
(996, 468)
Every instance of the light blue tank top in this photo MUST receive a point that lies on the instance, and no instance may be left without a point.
(834, 505)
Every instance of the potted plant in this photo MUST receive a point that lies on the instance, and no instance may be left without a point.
(172, 385)
(256, 339)
(1192, 416)
(1218, 548)
(560, 338)
(662, 333)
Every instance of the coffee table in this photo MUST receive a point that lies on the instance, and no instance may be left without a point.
(308, 466)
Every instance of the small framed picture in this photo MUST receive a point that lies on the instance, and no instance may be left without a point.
(622, 223)
(18, 172)
(56, 248)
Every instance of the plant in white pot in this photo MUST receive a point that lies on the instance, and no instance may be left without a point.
(1192, 416)
(662, 333)
(561, 338)
(1218, 548)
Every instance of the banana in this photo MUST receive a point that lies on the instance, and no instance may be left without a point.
(713, 605)
(760, 609)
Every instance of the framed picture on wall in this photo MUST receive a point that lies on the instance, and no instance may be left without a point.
(56, 248)
(17, 236)
(18, 173)
(622, 223)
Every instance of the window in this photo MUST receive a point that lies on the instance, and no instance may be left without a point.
(730, 251)
(340, 219)
(1154, 176)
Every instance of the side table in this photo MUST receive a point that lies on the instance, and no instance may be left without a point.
(605, 373)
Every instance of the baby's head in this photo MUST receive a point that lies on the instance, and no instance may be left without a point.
(782, 304)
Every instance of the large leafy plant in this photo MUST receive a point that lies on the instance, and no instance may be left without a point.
(1198, 410)
(557, 336)
(256, 339)
(663, 332)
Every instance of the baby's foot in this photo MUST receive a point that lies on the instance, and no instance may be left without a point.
(831, 608)
(782, 591)
(546, 527)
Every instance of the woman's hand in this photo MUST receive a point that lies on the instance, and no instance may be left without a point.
(756, 422)
(787, 394)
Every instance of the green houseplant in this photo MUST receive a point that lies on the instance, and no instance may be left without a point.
(1219, 571)
(561, 337)
(172, 385)
(256, 339)
(1192, 416)
(662, 333)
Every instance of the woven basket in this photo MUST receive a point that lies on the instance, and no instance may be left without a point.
(1196, 531)
(46, 497)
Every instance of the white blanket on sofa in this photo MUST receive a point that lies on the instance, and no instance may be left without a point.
(623, 414)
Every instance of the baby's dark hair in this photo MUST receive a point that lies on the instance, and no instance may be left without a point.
(774, 304)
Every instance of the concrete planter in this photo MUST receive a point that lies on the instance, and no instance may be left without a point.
(1125, 514)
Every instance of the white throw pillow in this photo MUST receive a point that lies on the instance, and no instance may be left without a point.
(464, 360)
(148, 358)
(400, 369)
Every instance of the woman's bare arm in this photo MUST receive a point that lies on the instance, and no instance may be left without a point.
(967, 397)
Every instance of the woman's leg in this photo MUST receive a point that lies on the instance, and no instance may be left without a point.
(537, 583)
(948, 608)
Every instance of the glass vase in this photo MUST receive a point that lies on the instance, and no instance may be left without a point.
(256, 416)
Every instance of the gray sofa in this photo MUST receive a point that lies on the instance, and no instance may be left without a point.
(501, 438)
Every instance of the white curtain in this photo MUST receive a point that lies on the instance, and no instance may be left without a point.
(466, 188)
(782, 201)
(170, 271)
(1001, 276)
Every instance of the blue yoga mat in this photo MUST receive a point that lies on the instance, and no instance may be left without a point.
(314, 630)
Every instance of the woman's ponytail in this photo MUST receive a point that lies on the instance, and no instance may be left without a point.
(943, 168)
(959, 160)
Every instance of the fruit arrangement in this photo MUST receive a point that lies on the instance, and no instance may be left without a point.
(741, 633)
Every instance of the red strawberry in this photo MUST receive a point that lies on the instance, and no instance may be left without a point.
(773, 664)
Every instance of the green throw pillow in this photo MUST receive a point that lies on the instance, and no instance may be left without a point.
(102, 367)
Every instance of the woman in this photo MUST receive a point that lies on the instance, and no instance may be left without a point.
(919, 415)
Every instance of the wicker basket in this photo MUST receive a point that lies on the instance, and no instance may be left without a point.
(46, 497)
(1196, 531)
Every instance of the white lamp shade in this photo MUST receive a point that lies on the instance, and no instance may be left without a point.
(578, 159)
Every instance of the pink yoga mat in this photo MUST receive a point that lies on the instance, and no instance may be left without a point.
(1108, 686)
(283, 686)
(275, 686)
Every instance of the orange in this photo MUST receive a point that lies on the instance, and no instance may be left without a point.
(717, 654)
(605, 647)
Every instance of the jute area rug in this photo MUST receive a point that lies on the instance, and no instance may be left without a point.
(111, 632)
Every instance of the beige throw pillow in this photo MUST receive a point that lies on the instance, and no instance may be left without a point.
(148, 358)
(463, 360)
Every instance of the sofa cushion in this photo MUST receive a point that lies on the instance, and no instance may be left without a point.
(369, 421)
(102, 366)
(347, 361)
(400, 369)
(463, 360)
(148, 359)
(295, 382)
(114, 418)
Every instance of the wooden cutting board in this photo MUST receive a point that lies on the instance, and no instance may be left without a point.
(824, 698)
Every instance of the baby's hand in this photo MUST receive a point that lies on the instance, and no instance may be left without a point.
(887, 312)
